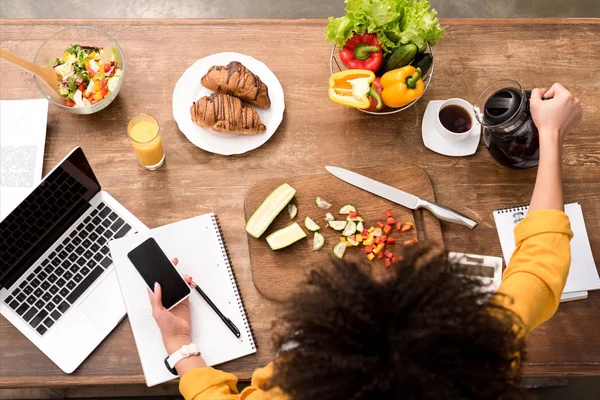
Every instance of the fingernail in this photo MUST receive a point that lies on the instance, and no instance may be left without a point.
(155, 286)
(176, 260)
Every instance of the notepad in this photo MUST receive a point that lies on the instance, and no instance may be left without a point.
(202, 254)
(583, 275)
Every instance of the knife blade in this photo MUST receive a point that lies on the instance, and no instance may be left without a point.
(400, 197)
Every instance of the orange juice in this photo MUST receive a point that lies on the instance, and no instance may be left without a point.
(144, 135)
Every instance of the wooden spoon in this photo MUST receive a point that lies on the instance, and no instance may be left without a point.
(47, 75)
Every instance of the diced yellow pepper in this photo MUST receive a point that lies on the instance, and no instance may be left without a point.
(98, 96)
(87, 64)
(369, 241)
(342, 239)
(370, 256)
(379, 247)
(349, 244)
(96, 86)
(371, 229)
(359, 238)
(92, 55)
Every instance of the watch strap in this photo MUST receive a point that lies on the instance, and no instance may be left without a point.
(185, 351)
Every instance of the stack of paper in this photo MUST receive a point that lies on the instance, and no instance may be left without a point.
(583, 275)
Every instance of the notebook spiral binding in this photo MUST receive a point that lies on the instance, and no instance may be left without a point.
(233, 278)
(512, 209)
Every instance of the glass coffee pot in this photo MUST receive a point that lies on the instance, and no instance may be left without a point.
(508, 129)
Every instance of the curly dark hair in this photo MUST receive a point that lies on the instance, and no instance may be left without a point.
(424, 333)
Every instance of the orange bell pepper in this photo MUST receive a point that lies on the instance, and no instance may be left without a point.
(352, 88)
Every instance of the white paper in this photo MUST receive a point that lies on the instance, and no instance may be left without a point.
(22, 142)
(583, 274)
(195, 242)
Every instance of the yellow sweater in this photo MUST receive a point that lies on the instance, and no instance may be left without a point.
(534, 278)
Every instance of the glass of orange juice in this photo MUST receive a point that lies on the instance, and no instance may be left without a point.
(145, 137)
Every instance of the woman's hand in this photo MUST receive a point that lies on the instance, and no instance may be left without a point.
(174, 324)
(555, 112)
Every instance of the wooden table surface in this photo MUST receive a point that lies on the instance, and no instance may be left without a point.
(315, 133)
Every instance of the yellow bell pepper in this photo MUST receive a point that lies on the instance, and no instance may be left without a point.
(401, 86)
(352, 88)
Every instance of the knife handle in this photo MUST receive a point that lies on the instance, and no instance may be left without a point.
(447, 214)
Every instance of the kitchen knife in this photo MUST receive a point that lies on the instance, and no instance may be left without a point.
(398, 196)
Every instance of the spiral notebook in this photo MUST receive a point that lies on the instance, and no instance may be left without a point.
(583, 275)
(202, 254)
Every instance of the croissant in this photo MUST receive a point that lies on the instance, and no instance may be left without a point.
(237, 80)
(225, 113)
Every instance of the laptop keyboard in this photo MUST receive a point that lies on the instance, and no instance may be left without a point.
(68, 271)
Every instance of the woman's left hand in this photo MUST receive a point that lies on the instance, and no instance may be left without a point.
(174, 324)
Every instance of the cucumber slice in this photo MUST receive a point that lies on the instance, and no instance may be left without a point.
(329, 217)
(360, 227)
(321, 203)
(339, 249)
(318, 242)
(377, 232)
(355, 219)
(311, 225)
(269, 209)
(352, 242)
(347, 208)
(293, 210)
(338, 225)
(350, 229)
(285, 236)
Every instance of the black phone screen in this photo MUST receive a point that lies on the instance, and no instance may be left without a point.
(154, 266)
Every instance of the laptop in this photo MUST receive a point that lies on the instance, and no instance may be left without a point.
(57, 281)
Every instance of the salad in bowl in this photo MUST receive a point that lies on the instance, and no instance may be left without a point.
(88, 74)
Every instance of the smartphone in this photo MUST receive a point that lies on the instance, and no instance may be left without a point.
(154, 266)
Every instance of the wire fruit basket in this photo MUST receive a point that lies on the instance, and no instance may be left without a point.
(335, 65)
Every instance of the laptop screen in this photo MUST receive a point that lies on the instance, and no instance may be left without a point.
(44, 215)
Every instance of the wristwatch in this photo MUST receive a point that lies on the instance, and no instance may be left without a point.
(187, 350)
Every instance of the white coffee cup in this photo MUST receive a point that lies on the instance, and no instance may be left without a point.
(454, 136)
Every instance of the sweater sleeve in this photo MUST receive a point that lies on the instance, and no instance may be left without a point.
(538, 270)
(211, 384)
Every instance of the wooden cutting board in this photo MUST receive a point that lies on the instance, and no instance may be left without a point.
(277, 274)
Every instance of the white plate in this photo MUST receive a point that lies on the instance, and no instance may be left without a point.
(188, 89)
(435, 142)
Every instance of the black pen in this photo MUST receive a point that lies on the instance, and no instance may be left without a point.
(226, 320)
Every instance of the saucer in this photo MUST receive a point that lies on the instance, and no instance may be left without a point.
(435, 142)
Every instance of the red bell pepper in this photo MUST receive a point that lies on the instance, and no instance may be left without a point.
(387, 230)
(391, 240)
(387, 262)
(362, 52)
(389, 213)
(376, 103)
(391, 221)
(353, 214)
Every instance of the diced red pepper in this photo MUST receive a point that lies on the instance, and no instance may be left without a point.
(377, 240)
(399, 225)
(107, 67)
(383, 239)
(391, 221)
(365, 236)
(380, 255)
(389, 213)
(353, 214)
(104, 92)
(369, 249)
(388, 254)
(387, 229)
(82, 88)
(391, 240)
(93, 101)
(387, 262)
(102, 83)
(396, 259)
(91, 72)
(411, 241)
(70, 103)
(379, 224)
(365, 232)
(353, 237)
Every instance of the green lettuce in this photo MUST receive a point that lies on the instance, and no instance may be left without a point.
(396, 22)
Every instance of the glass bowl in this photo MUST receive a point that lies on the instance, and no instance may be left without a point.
(55, 46)
(335, 66)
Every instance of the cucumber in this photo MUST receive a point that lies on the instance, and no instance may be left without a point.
(377, 232)
(399, 58)
(339, 249)
(337, 225)
(285, 236)
(360, 227)
(321, 203)
(329, 217)
(318, 241)
(347, 208)
(311, 225)
(355, 219)
(269, 209)
(352, 242)
(423, 62)
(293, 210)
(349, 229)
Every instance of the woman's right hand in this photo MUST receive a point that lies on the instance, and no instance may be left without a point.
(555, 112)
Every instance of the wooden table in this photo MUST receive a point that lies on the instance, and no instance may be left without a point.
(314, 133)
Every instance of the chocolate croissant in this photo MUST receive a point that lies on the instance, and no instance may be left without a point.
(237, 80)
(225, 113)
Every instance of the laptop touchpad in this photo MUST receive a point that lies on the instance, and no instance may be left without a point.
(104, 306)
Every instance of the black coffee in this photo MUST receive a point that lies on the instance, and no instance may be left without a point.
(455, 118)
